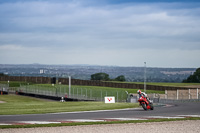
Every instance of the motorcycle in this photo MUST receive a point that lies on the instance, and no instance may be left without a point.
(145, 104)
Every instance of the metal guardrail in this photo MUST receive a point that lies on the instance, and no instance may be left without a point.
(157, 98)
(88, 94)
(4, 87)
(75, 93)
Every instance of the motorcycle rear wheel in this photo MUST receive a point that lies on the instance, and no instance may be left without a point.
(152, 107)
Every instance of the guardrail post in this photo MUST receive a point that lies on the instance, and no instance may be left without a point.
(69, 85)
(165, 94)
(189, 93)
(177, 94)
(117, 96)
(90, 94)
(81, 92)
(86, 93)
(77, 94)
(101, 96)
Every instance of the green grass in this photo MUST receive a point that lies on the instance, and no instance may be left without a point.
(14, 83)
(17, 84)
(94, 123)
(27, 105)
(117, 89)
(169, 84)
(95, 88)
(160, 83)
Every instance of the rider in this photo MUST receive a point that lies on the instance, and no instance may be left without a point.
(143, 94)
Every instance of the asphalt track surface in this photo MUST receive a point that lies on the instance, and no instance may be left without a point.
(167, 111)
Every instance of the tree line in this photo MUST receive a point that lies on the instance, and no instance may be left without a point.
(194, 78)
(105, 77)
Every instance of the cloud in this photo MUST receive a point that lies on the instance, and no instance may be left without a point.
(83, 30)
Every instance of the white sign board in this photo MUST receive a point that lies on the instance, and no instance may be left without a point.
(109, 99)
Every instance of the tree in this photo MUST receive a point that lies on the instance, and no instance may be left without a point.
(195, 78)
(120, 78)
(2, 74)
(100, 76)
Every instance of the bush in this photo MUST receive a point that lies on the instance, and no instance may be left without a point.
(100, 76)
(120, 78)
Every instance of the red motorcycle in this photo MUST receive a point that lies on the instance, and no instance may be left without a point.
(145, 103)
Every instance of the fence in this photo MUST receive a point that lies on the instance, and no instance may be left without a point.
(48, 80)
(4, 88)
(172, 95)
(75, 93)
(181, 94)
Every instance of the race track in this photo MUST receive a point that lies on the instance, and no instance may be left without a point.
(171, 110)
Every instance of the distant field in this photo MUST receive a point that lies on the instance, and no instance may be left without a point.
(161, 83)
(17, 84)
(13, 83)
(169, 84)
(119, 89)
(109, 90)
(15, 104)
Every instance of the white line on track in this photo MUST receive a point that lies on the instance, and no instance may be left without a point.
(94, 111)
(84, 120)
(98, 120)
(171, 117)
(2, 124)
(38, 122)
(189, 115)
(124, 119)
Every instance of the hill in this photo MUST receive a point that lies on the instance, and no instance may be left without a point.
(132, 74)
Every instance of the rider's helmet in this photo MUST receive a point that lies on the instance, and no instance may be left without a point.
(139, 92)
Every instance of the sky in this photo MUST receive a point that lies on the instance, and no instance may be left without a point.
(162, 33)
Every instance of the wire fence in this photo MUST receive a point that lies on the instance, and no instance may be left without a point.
(74, 93)
(91, 93)
(4, 87)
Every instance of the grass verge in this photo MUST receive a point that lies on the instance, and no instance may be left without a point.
(15, 104)
(94, 123)
(169, 84)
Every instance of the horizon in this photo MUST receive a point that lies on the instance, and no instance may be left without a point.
(125, 33)
(101, 65)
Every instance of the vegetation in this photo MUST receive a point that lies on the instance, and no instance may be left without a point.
(120, 78)
(169, 84)
(100, 76)
(15, 104)
(116, 89)
(94, 88)
(14, 83)
(194, 78)
(2, 74)
(132, 74)
(105, 77)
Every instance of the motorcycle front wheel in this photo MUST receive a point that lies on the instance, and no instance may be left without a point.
(144, 106)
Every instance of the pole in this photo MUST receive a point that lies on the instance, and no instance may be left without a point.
(145, 77)
(8, 86)
(69, 86)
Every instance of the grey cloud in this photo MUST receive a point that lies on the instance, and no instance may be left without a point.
(72, 26)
